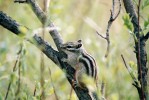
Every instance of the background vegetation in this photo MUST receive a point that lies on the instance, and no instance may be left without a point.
(76, 19)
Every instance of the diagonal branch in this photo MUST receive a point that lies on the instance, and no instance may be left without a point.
(18, 29)
(42, 17)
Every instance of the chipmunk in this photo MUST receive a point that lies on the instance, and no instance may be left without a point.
(80, 60)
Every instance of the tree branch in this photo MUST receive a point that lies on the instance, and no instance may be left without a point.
(140, 49)
(43, 17)
(18, 29)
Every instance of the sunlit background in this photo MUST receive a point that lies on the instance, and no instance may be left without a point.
(75, 19)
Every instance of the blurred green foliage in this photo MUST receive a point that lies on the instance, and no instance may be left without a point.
(76, 19)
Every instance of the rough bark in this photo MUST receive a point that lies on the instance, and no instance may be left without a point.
(142, 69)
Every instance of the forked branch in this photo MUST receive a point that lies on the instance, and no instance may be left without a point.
(113, 17)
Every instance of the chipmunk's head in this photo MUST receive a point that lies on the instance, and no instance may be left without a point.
(72, 46)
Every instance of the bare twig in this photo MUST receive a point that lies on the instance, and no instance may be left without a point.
(42, 70)
(113, 16)
(53, 85)
(34, 91)
(103, 90)
(19, 80)
(135, 81)
(19, 72)
(14, 68)
(42, 64)
(8, 90)
(129, 69)
(101, 35)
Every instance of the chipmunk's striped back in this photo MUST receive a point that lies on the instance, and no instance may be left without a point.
(89, 64)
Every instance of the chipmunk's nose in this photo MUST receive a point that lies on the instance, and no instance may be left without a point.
(62, 46)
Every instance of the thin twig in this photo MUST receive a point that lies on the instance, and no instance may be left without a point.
(19, 70)
(14, 69)
(113, 17)
(53, 85)
(119, 10)
(8, 90)
(101, 35)
(34, 92)
(42, 64)
(128, 68)
(103, 90)
(135, 81)
(19, 79)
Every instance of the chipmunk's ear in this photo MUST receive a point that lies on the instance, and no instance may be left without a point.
(79, 41)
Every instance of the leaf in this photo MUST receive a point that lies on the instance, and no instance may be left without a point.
(128, 23)
(131, 69)
(132, 64)
(146, 23)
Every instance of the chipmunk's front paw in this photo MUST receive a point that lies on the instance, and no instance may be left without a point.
(74, 83)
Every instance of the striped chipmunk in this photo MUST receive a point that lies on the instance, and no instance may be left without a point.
(81, 61)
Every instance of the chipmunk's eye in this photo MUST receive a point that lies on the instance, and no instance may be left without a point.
(68, 46)
(78, 46)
